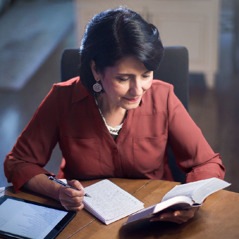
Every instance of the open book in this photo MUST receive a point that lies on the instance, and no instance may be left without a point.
(109, 203)
(181, 197)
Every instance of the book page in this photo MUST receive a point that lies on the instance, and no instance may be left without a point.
(198, 190)
(109, 202)
(211, 186)
(186, 189)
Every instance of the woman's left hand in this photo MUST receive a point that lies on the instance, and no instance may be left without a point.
(178, 216)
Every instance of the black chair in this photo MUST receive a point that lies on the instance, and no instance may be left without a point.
(173, 69)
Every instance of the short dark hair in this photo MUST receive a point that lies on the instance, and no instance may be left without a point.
(114, 34)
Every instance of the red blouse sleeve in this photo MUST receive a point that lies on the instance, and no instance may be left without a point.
(192, 152)
(34, 146)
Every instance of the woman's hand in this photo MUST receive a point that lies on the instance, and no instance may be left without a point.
(72, 199)
(178, 216)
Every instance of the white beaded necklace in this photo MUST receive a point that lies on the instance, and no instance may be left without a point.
(113, 130)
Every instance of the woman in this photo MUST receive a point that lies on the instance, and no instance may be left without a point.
(113, 121)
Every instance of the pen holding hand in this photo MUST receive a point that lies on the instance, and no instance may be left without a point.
(70, 199)
(65, 184)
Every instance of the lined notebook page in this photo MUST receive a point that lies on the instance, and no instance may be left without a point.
(108, 202)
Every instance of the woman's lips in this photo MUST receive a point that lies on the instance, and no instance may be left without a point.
(133, 99)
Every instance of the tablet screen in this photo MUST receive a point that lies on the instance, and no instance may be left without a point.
(25, 219)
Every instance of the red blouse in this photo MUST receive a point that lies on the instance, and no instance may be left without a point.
(70, 117)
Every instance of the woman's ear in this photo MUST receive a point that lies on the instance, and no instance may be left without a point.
(94, 71)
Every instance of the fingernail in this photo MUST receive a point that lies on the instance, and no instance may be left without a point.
(177, 213)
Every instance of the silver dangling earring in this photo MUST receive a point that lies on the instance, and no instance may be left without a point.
(97, 87)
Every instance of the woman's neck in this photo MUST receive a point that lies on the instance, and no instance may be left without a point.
(114, 115)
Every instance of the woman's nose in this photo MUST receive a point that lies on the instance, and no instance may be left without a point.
(136, 88)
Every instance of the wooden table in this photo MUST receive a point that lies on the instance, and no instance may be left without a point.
(217, 218)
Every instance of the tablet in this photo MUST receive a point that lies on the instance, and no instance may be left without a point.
(21, 218)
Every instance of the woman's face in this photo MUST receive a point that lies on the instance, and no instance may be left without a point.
(124, 83)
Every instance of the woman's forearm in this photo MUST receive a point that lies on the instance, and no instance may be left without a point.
(42, 185)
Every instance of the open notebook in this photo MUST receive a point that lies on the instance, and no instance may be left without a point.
(109, 203)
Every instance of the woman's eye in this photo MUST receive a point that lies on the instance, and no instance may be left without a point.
(146, 76)
(122, 79)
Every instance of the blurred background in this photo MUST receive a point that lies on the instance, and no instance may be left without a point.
(33, 34)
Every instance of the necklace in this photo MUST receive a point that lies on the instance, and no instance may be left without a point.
(113, 130)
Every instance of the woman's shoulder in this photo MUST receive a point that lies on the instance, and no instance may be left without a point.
(72, 89)
(161, 89)
(69, 83)
(157, 96)
(161, 85)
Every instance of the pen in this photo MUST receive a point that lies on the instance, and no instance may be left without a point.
(64, 184)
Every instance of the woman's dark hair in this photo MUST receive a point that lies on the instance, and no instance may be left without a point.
(114, 34)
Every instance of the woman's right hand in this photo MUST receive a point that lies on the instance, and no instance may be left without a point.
(72, 199)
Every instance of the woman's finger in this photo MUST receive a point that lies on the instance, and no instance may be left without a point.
(71, 199)
(179, 216)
